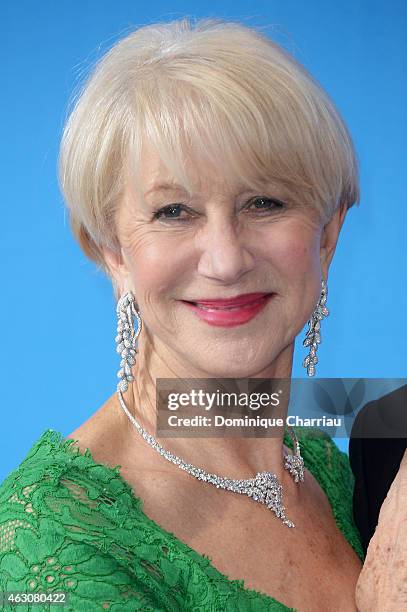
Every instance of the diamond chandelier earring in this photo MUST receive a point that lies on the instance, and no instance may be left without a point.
(126, 338)
(313, 335)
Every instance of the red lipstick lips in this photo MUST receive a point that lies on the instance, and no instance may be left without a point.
(244, 298)
(232, 311)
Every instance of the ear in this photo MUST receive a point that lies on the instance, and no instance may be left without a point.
(329, 238)
(117, 267)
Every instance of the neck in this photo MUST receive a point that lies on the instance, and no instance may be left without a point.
(226, 456)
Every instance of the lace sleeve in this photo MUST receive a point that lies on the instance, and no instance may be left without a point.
(54, 539)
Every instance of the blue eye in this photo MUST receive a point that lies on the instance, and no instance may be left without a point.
(172, 211)
(276, 204)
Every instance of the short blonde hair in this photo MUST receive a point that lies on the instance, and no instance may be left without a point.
(218, 88)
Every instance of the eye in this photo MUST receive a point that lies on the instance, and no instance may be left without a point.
(171, 210)
(266, 204)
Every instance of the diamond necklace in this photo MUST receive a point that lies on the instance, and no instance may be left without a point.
(264, 488)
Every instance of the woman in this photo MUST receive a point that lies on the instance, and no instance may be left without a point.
(201, 163)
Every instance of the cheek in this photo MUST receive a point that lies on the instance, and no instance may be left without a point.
(156, 262)
(295, 252)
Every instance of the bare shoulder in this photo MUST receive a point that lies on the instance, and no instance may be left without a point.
(103, 433)
(112, 440)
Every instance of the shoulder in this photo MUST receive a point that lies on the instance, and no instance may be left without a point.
(59, 467)
(39, 466)
(65, 524)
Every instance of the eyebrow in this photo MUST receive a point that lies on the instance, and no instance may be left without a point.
(165, 187)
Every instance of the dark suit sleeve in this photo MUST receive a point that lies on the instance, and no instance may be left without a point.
(375, 461)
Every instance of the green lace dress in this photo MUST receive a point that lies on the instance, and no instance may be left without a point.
(71, 525)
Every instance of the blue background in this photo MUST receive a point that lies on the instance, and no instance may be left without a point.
(58, 314)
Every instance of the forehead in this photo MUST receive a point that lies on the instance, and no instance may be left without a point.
(155, 176)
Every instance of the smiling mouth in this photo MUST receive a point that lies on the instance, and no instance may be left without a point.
(245, 306)
(240, 307)
(228, 315)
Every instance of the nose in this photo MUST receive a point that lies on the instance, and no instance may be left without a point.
(225, 255)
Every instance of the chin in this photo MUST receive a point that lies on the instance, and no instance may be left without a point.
(227, 370)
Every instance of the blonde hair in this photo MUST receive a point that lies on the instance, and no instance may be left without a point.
(220, 89)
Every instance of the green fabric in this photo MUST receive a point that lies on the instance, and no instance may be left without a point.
(73, 525)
